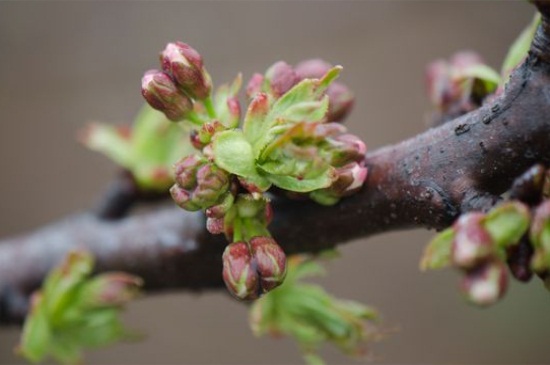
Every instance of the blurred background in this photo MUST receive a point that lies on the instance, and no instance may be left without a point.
(63, 64)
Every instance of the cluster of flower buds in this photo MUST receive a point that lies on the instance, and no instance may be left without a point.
(183, 79)
(281, 77)
(254, 267)
(478, 244)
(461, 84)
(200, 184)
(474, 251)
(289, 139)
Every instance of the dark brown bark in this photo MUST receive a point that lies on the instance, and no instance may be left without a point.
(425, 181)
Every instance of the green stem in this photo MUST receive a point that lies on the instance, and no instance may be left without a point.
(209, 105)
(237, 230)
(194, 118)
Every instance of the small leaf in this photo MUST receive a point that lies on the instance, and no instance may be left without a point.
(303, 185)
(35, 340)
(507, 222)
(308, 111)
(255, 126)
(233, 153)
(520, 47)
(110, 141)
(437, 254)
(489, 77)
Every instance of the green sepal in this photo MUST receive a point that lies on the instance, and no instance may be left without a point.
(437, 254)
(518, 50)
(233, 153)
(507, 222)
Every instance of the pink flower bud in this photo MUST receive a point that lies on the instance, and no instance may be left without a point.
(270, 262)
(485, 284)
(185, 170)
(239, 273)
(281, 77)
(472, 243)
(185, 64)
(341, 102)
(312, 69)
(160, 91)
(254, 86)
(215, 225)
(234, 108)
(182, 198)
(347, 148)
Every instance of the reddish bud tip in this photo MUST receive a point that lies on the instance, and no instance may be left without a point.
(312, 69)
(485, 284)
(270, 262)
(472, 243)
(281, 77)
(185, 64)
(160, 91)
(239, 272)
(254, 86)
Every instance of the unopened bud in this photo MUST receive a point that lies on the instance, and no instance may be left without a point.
(254, 86)
(270, 262)
(485, 284)
(234, 108)
(472, 243)
(182, 198)
(540, 237)
(111, 289)
(212, 183)
(160, 91)
(208, 130)
(340, 102)
(185, 64)
(312, 69)
(347, 148)
(281, 78)
(215, 225)
(186, 170)
(239, 273)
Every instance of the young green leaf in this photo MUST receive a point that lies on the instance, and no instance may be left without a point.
(507, 222)
(305, 184)
(520, 47)
(437, 254)
(233, 153)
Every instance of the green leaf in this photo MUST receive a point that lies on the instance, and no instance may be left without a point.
(520, 47)
(437, 254)
(110, 141)
(308, 111)
(233, 153)
(507, 222)
(35, 340)
(304, 185)
(489, 77)
(255, 122)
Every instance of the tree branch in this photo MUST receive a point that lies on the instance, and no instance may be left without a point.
(425, 181)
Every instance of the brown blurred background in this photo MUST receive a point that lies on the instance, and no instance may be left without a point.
(63, 64)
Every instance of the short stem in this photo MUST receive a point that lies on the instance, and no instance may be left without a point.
(209, 105)
(194, 118)
(237, 230)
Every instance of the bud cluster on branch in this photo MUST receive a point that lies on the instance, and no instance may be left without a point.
(289, 140)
